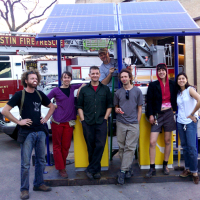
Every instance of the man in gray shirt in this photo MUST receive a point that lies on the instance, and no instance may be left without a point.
(108, 69)
(128, 102)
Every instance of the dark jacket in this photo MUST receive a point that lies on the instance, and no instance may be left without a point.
(94, 104)
(154, 98)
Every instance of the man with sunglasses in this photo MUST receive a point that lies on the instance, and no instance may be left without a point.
(128, 102)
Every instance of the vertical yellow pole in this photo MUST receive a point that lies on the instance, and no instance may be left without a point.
(179, 151)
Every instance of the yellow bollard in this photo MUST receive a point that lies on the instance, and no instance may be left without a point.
(80, 149)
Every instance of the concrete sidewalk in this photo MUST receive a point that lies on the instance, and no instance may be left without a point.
(164, 190)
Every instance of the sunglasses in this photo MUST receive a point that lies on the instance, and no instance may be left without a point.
(127, 94)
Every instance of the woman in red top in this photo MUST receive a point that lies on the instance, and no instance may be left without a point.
(161, 102)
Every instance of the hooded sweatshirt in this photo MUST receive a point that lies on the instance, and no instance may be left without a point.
(165, 90)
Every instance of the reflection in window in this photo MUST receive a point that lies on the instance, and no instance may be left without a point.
(5, 70)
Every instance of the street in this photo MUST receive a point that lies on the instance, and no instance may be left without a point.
(10, 184)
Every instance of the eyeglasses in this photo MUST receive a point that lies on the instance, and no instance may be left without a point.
(127, 94)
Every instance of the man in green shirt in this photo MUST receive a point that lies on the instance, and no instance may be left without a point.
(94, 107)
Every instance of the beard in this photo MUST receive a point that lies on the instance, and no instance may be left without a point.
(31, 85)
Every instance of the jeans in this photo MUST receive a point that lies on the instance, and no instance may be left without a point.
(188, 143)
(34, 140)
(95, 137)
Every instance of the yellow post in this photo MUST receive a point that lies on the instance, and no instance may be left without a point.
(80, 149)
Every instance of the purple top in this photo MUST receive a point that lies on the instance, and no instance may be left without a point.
(66, 110)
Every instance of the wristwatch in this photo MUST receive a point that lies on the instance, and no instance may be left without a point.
(191, 114)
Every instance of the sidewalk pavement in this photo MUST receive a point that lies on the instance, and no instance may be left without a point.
(136, 188)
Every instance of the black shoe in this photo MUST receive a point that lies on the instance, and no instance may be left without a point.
(128, 174)
(97, 175)
(121, 176)
(89, 175)
(150, 173)
(165, 170)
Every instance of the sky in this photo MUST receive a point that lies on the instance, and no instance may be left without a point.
(35, 28)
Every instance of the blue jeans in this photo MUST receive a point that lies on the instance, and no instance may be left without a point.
(188, 143)
(34, 140)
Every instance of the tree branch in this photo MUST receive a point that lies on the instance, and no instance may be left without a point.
(34, 23)
(31, 18)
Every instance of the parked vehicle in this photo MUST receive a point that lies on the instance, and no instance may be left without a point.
(7, 127)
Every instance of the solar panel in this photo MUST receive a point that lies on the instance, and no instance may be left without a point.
(157, 23)
(81, 19)
(83, 9)
(80, 25)
(150, 7)
(102, 19)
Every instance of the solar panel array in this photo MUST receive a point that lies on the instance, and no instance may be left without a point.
(133, 18)
(154, 17)
(81, 19)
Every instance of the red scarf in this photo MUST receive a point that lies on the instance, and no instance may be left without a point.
(165, 89)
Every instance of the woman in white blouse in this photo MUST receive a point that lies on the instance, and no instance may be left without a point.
(188, 101)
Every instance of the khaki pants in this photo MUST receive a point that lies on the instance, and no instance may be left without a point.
(127, 138)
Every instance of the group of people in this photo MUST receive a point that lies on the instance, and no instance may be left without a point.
(94, 106)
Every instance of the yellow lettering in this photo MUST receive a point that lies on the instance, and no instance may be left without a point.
(28, 41)
(21, 40)
(24, 40)
(32, 41)
(45, 43)
(6, 40)
(14, 41)
(49, 42)
(1, 40)
(41, 42)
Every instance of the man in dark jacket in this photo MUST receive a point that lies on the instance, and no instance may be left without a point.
(94, 107)
(161, 102)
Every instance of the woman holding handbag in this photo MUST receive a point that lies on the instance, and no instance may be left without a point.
(188, 101)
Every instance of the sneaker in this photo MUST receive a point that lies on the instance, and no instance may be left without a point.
(97, 175)
(150, 173)
(121, 176)
(63, 173)
(195, 179)
(24, 194)
(128, 174)
(165, 170)
(185, 173)
(89, 175)
(43, 188)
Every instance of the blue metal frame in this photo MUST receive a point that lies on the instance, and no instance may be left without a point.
(59, 62)
(117, 35)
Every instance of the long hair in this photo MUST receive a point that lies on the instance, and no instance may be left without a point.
(25, 76)
(186, 85)
(129, 74)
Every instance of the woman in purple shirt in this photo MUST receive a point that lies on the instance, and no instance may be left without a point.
(62, 121)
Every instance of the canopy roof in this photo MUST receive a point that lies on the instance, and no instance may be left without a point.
(110, 20)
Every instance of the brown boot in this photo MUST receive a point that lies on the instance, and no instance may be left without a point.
(63, 173)
(24, 194)
(195, 179)
(42, 188)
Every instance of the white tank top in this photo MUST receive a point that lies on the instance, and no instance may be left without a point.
(186, 105)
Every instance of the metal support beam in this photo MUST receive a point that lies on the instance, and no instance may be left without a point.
(59, 62)
(176, 65)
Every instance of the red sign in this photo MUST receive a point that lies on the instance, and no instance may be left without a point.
(22, 41)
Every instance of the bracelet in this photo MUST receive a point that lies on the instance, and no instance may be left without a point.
(191, 114)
